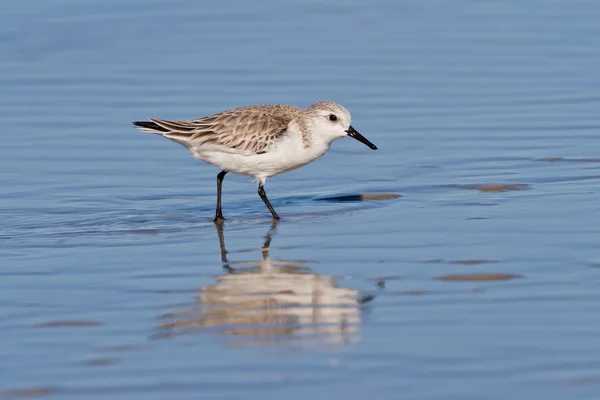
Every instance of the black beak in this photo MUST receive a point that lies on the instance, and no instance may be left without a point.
(353, 133)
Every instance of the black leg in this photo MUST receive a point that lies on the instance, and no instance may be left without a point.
(263, 196)
(219, 212)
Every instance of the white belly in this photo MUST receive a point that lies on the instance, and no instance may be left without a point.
(286, 155)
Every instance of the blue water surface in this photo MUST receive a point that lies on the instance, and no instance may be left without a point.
(458, 261)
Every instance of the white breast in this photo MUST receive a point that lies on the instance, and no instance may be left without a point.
(285, 155)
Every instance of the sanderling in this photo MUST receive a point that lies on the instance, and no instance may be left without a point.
(259, 141)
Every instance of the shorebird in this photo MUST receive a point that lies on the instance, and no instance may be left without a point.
(260, 140)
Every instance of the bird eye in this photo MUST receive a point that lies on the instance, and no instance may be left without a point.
(332, 118)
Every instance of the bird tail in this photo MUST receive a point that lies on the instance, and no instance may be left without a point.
(151, 127)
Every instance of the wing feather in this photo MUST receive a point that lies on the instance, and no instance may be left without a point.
(252, 128)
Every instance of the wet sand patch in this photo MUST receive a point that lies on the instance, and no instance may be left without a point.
(477, 277)
(496, 187)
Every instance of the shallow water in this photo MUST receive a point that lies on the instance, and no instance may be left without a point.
(459, 261)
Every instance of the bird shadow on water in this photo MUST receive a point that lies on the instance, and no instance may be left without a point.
(269, 302)
(290, 207)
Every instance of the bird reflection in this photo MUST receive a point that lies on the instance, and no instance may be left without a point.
(270, 301)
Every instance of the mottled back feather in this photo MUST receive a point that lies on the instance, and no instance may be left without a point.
(251, 128)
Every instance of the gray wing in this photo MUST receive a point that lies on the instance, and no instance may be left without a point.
(252, 129)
